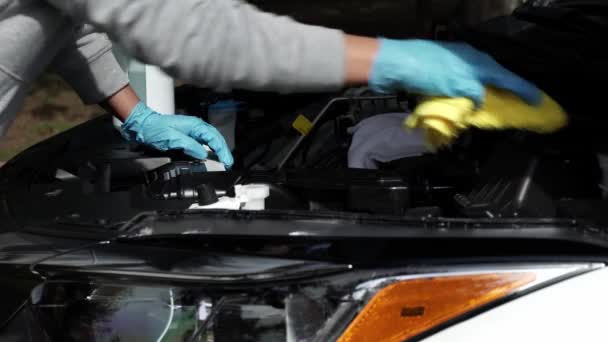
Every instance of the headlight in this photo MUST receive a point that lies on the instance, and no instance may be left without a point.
(354, 306)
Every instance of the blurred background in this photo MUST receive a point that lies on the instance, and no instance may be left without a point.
(53, 107)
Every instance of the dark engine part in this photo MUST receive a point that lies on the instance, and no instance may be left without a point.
(325, 141)
(556, 45)
(352, 190)
(529, 181)
(368, 191)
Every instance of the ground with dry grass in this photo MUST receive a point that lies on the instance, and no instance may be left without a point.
(51, 107)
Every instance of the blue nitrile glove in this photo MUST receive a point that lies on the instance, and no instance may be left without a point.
(175, 132)
(443, 69)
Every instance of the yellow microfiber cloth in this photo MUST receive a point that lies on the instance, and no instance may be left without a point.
(443, 119)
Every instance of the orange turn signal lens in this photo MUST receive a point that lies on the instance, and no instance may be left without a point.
(408, 308)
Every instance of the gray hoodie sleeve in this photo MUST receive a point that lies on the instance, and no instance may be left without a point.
(219, 43)
(87, 63)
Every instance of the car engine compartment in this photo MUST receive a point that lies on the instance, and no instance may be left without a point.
(89, 175)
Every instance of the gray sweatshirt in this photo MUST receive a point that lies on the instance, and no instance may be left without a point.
(213, 43)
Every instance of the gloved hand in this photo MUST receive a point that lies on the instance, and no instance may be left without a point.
(443, 69)
(175, 132)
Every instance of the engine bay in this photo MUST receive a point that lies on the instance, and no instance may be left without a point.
(485, 174)
(91, 175)
(301, 147)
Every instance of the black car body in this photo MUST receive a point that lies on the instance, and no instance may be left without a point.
(98, 240)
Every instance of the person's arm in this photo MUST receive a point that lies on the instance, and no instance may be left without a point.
(87, 63)
(360, 55)
(121, 103)
(223, 44)
(220, 44)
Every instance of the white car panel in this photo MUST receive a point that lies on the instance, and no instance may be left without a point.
(572, 310)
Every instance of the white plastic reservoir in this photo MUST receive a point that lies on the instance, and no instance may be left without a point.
(247, 197)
